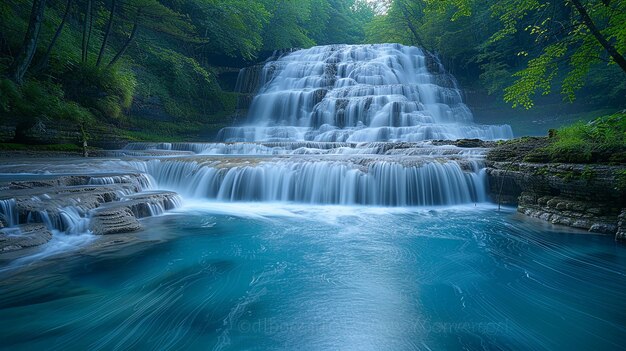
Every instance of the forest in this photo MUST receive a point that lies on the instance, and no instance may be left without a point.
(166, 69)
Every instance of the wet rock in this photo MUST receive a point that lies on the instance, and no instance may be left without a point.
(517, 149)
(153, 203)
(561, 193)
(466, 143)
(104, 204)
(23, 236)
(114, 220)
(121, 216)
(604, 228)
(620, 235)
(4, 222)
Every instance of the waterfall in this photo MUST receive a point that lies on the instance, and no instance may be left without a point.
(359, 181)
(9, 212)
(357, 93)
(339, 124)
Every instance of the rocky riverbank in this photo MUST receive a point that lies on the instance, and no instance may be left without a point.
(586, 196)
(32, 211)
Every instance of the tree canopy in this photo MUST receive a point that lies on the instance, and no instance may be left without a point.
(106, 60)
(538, 43)
(103, 59)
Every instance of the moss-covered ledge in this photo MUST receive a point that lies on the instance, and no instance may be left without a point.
(576, 176)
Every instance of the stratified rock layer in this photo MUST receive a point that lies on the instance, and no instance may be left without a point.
(103, 204)
(581, 196)
(114, 220)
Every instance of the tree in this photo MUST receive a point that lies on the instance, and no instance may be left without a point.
(582, 33)
(153, 16)
(286, 27)
(231, 27)
(18, 68)
(43, 62)
(107, 33)
(87, 25)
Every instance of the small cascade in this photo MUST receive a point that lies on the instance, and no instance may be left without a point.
(356, 93)
(69, 219)
(9, 212)
(66, 203)
(142, 181)
(151, 203)
(73, 221)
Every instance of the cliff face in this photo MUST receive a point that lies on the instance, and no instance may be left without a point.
(526, 172)
(582, 196)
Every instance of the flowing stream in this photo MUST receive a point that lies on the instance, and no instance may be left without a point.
(331, 218)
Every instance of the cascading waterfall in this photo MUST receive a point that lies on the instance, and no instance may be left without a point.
(340, 124)
(348, 182)
(358, 93)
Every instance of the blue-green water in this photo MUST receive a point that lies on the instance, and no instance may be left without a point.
(238, 276)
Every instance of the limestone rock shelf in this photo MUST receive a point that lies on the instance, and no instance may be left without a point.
(23, 236)
(581, 196)
(32, 211)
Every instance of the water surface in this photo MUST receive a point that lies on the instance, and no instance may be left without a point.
(270, 276)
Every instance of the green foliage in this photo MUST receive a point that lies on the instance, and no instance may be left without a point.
(546, 43)
(39, 99)
(395, 25)
(190, 92)
(602, 140)
(232, 27)
(537, 77)
(106, 91)
(588, 173)
(494, 76)
(286, 27)
(52, 147)
(9, 95)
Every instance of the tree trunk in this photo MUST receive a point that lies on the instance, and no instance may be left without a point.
(617, 57)
(89, 33)
(86, 28)
(407, 18)
(107, 32)
(25, 56)
(133, 33)
(43, 63)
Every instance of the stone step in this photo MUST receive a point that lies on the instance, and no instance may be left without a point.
(23, 236)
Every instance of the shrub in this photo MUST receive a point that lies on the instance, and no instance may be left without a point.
(602, 140)
(39, 100)
(107, 92)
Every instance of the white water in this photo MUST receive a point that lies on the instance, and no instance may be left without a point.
(298, 148)
(406, 181)
(359, 93)
(333, 125)
(8, 210)
(343, 124)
